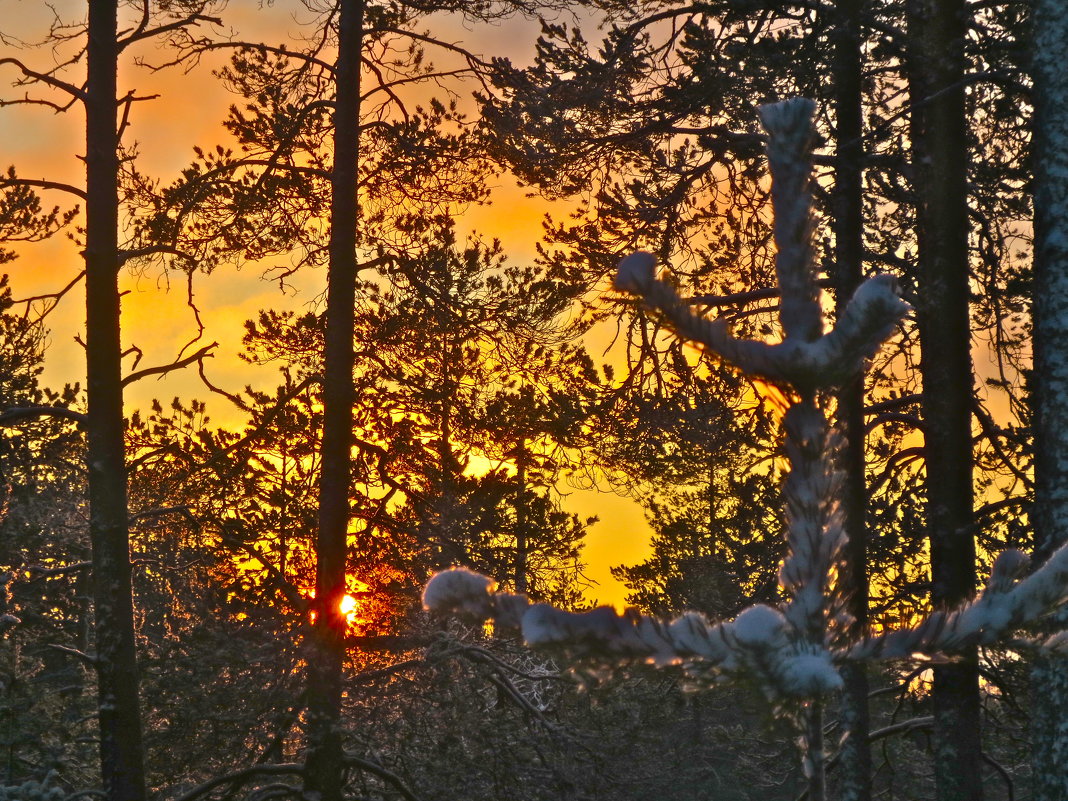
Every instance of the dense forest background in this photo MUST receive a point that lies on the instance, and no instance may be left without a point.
(196, 610)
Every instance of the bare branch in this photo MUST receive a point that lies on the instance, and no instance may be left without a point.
(23, 414)
(53, 296)
(379, 771)
(40, 183)
(154, 250)
(88, 659)
(199, 356)
(239, 777)
(993, 435)
(1010, 787)
(904, 727)
(469, 56)
(46, 78)
(203, 47)
(42, 572)
(144, 32)
(234, 399)
(883, 418)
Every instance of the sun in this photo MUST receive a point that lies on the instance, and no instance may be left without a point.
(350, 606)
(350, 609)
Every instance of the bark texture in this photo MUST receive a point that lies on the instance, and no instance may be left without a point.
(1050, 674)
(121, 750)
(939, 141)
(324, 771)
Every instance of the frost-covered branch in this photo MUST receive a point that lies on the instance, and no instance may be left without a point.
(790, 135)
(814, 531)
(761, 641)
(756, 643)
(825, 363)
(1005, 606)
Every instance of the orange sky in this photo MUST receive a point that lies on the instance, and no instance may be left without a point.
(155, 317)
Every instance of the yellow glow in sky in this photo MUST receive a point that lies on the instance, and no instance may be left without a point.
(156, 319)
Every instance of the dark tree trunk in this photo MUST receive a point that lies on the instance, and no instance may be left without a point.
(854, 772)
(121, 750)
(939, 140)
(325, 762)
(521, 516)
(1050, 514)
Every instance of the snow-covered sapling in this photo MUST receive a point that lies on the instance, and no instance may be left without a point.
(793, 651)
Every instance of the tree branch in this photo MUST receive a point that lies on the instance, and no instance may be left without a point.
(22, 414)
(200, 355)
(40, 183)
(88, 659)
(183, 511)
(144, 32)
(241, 776)
(45, 78)
(379, 771)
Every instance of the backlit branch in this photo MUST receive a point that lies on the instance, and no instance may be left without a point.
(46, 78)
(204, 353)
(143, 31)
(54, 297)
(39, 183)
(24, 414)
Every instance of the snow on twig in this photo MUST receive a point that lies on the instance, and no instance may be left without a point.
(1005, 606)
(757, 642)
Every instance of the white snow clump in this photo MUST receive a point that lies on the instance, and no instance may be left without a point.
(461, 591)
(635, 272)
(809, 675)
(760, 627)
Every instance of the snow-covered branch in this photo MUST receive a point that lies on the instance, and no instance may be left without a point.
(758, 643)
(762, 642)
(822, 364)
(1005, 606)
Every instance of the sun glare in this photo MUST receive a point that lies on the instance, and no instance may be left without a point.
(349, 605)
(350, 608)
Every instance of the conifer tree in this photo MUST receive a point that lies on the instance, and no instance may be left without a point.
(115, 662)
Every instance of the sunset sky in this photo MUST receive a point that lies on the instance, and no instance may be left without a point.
(155, 317)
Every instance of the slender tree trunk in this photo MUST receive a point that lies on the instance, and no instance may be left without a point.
(121, 750)
(324, 771)
(854, 762)
(815, 759)
(521, 517)
(1050, 514)
(939, 142)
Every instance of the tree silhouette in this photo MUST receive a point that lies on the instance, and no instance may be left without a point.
(121, 749)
